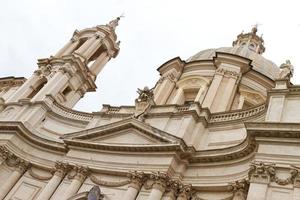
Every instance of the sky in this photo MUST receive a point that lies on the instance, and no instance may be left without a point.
(151, 33)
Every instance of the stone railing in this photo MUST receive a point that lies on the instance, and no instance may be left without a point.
(113, 109)
(183, 108)
(70, 114)
(242, 114)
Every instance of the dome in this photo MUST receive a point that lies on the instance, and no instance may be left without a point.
(259, 63)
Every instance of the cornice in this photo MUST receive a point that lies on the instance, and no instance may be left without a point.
(21, 130)
(124, 148)
(242, 150)
(11, 81)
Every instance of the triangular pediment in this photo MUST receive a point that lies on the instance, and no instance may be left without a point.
(125, 132)
(127, 136)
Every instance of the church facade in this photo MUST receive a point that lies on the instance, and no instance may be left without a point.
(222, 125)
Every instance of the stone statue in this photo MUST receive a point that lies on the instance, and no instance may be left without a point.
(143, 103)
(95, 194)
(145, 94)
(287, 70)
(114, 23)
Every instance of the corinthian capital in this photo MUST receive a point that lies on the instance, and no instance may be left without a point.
(81, 172)
(240, 189)
(22, 165)
(4, 153)
(160, 180)
(137, 179)
(61, 168)
(261, 172)
(184, 192)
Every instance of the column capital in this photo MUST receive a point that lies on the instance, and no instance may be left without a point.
(137, 179)
(184, 192)
(81, 172)
(61, 168)
(22, 165)
(160, 180)
(240, 189)
(260, 172)
(4, 153)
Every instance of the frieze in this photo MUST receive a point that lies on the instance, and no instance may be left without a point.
(265, 172)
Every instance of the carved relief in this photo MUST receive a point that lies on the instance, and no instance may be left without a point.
(240, 189)
(261, 173)
(61, 168)
(79, 172)
(265, 173)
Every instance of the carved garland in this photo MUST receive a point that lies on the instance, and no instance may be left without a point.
(263, 172)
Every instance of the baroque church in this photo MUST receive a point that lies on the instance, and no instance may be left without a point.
(221, 125)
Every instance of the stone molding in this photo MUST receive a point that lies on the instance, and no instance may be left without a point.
(240, 189)
(228, 73)
(9, 82)
(260, 172)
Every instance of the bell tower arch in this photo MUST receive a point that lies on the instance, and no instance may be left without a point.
(72, 71)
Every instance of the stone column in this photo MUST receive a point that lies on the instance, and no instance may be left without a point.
(229, 91)
(212, 90)
(87, 54)
(199, 97)
(137, 179)
(179, 96)
(60, 171)
(260, 175)
(55, 84)
(162, 94)
(241, 102)
(296, 192)
(69, 47)
(21, 167)
(159, 185)
(86, 45)
(24, 90)
(62, 50)
(75, 98)
(99, 63)
(81, 174)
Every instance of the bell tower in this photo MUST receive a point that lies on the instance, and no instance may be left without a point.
(72, 72)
